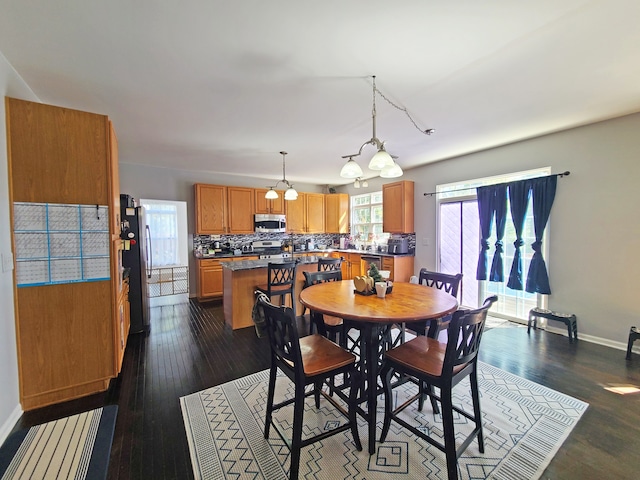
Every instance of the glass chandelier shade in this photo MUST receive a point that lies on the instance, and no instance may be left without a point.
(290, 194)
(351, 169)
(271, 194)
(391, 171)
(381, 160)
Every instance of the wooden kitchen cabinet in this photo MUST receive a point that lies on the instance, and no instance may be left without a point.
(124, 322)
(69, 335)
(240, 210)
(400, 268)
(210, 284)
(397, 207)
(221, 209)
(351, 265)
(210, 202)
(314, 212)
(336, 213)
(306, 213)
(268, 206)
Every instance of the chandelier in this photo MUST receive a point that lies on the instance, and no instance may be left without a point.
(381, 161)
(290, 193)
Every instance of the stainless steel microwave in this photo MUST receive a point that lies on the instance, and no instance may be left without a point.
(270, 223)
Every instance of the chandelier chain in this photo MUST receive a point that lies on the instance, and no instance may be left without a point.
(428, 131)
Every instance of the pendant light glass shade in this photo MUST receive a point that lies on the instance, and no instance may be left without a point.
(290, 194)
(381, 160)
(392, 171)
(351, 169)
(271, 194)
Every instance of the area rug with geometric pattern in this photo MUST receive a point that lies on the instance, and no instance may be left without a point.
(75, 447)
(524, 425)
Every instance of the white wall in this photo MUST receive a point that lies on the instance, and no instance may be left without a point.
(594, 256)
(10, 85)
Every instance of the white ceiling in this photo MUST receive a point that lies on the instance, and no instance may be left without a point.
(223, 86)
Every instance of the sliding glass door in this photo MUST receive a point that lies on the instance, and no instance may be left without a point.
(459, 244)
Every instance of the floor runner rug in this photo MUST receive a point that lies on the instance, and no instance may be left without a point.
(75, 447)
(524, 425)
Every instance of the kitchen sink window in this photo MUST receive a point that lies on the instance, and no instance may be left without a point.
(366, 218)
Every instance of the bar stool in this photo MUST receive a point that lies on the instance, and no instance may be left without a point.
(281, 280)
(569, 319)
(328, 263)
(634, 334)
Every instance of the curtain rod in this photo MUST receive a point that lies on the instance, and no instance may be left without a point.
(559, 175)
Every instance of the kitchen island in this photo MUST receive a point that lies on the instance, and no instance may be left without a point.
(240, 279)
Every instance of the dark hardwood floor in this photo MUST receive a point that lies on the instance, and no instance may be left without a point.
(189, 349)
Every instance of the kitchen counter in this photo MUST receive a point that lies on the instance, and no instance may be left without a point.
(239, 283)
(302, 253)
(263, 263)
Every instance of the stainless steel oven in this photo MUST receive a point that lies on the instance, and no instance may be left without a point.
(270, 223)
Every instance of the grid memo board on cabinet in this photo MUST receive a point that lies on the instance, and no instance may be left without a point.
(60, 243)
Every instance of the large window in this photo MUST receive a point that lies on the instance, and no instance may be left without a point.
(366, 218)
(459, 240)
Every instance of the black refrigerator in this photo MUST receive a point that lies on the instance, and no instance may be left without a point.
(137, 259)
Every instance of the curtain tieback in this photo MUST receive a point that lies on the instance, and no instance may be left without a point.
(484, 245)
(499, 248)
(537, 246)
(518, 243)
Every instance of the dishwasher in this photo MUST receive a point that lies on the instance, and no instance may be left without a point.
(369, 259)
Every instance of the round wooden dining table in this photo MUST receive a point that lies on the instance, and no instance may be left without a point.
(372, 315)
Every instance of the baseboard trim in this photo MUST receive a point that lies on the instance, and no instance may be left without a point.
(8, 425)
(597, 340)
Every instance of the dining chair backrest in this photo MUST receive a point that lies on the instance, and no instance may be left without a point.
(441, 281)
(283, 335)
(466, 328)
(312, 278)
(281, 275)
(328, 263)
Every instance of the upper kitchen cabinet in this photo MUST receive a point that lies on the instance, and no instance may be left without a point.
(221, 209)
(265, 205)
(63, 176)
(211, 207)
(336, 213)
(314, 210)
(240, 209)
(397, 207)
(306, 213)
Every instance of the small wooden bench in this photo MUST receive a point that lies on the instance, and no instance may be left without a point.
(569, 319)
(634, 334)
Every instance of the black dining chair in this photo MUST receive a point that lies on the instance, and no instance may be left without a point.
(327, 325)
(444, 365)
(326, 264)
(309, 360)
(441, 281)
(329, 263)
(281, 281)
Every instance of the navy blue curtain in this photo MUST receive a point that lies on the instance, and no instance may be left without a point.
(519, 201)
(485, 214)
(500, 211)
(543, 192)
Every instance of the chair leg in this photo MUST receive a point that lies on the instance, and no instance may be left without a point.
(385, 374)
(316, 391)
(477, 412)
(426, 389)
(270, 394)
(296, 437)
(449, 433)
(353, 403)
